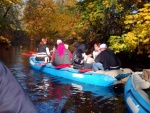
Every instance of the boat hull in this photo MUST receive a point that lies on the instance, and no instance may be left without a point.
(134, 100)
(74, 74)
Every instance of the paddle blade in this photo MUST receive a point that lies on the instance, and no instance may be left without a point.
(26, 54)
(62, 66)
(32, 52)
(84, 70)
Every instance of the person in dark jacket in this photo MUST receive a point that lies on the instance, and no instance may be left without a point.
(106, 60)
(79, 58)
(13, 99)
(76, 48)
(43, 52)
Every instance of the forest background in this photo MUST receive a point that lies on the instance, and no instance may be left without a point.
(122, 24)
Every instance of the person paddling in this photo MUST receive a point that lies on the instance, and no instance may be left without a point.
(43, 52)
(13, 99)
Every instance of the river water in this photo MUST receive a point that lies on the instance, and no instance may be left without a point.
(57, 95)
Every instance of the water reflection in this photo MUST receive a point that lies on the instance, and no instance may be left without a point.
(61, 95)
(57, 95)
(47, 94)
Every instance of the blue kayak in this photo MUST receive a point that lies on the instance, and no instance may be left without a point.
(135, 93)
(99, 78)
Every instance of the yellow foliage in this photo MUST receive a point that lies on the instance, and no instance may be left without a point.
(146, 41)
(130, 16)
(129, 22)
(147, 17)
(144, 32)
(50, 19)
(147, 22)
(139, 25)
(139, 22)
(91, 5)
(136, 16)
(5, 40)
(147, 5)
(145, 10)
(142, 9)
(13, 1)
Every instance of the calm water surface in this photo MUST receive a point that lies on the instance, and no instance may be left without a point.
(57, 95)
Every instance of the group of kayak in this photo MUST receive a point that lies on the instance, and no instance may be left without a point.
(101, 58)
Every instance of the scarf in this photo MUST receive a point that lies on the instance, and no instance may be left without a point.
(60, 49)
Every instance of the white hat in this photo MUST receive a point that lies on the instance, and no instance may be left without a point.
(66, 46)
(59, 41)
(103, 46)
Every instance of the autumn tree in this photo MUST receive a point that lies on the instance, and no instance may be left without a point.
(9, 14)
(138, 36)
(48, 18)
(102, 18)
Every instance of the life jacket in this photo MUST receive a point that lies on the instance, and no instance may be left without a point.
(41, 54)
(65, 59)
(42, 48)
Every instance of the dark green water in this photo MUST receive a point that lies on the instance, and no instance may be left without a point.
(57, 95)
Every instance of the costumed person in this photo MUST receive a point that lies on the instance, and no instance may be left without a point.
(13, 99)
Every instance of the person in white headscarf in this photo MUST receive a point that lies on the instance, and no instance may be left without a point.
(58, 41)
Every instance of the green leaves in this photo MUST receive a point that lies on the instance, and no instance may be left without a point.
(9, 19)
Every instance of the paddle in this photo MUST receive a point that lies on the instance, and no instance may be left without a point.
(33, 52)
(26, 54)
(62, 66)
(84, 70)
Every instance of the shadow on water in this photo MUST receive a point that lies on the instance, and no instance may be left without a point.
(57, 95)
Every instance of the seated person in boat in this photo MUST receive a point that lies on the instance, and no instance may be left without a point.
(67, 47)
(61, 55)
(106, 60)
(91, 57)
(79, 57)
(13, 99)
(76, 47)
(53, 50)
(58, 42)
(43, 53)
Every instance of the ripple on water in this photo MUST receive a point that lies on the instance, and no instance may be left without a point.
(56, 95)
